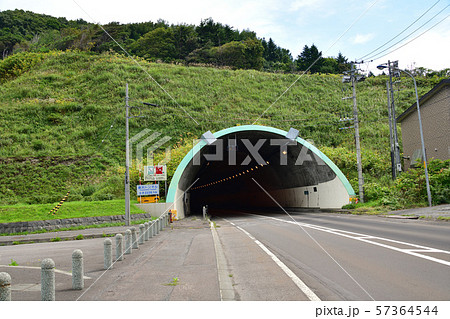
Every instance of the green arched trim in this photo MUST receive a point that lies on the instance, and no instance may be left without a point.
(189, 156)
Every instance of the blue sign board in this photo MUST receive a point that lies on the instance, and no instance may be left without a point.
(148, 190)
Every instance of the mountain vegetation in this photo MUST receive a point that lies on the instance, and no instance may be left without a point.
(209, 43)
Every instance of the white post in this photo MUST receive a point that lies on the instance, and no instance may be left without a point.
(48, 280)
(119, 247)
(146, 225)
(5, 286)
(141, 234)
(77, 270)
(128, 247)
(134, 238)
(107, 253)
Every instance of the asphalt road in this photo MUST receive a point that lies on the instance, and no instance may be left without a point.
(341, 257)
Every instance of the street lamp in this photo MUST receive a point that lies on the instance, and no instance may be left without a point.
(383, 66)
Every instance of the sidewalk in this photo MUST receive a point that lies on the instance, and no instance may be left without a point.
(425, 212)
(177, 264)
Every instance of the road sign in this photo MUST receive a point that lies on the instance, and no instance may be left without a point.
(146, 190)
(155, 173)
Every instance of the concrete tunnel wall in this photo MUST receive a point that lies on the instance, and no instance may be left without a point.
(317, 182)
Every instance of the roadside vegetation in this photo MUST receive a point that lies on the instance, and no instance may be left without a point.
(25, 213)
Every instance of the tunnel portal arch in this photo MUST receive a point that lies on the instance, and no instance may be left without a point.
(305, 177)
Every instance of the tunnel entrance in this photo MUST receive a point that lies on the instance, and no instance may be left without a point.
(256, 167)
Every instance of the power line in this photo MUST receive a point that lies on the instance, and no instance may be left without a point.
(377, 55)
(304, 72)
(140, 66)
(360, 59)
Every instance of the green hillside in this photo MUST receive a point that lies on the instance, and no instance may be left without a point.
(57, 107)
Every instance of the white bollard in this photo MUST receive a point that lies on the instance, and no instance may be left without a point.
(108, 258)
(150, 229)
(5, 286)
(146, 225)
(141, 234)
(77, 270)
(119, 247)
(47, 280)
(161, 223)
(128, 247)
(134, 238)
(157, 226)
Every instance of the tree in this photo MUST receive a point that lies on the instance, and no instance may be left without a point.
(329, 65)
(240, 54)
(272, 51)
(310, 59)
(343, 64)
(185, 40)
(158, 43)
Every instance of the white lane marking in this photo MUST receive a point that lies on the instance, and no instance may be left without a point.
(39, 268)
(297, 281)
(365, 238)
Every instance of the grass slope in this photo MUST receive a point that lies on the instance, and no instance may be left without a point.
(24, 213)
(57, 108)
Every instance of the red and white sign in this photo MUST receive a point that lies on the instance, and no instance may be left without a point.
(155, 173)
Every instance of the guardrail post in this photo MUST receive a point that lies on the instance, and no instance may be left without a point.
(128, 248)
(134, 238)
(119, 247)
(47, 280)
(146, 225)
(77, 270)
(107, 244)
(5, 286)
(141, 234)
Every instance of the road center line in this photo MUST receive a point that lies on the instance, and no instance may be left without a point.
(297, 281)
(369, 240)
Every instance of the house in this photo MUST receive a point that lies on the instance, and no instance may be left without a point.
(435, 115)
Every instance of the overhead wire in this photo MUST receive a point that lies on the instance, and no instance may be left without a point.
(361, 58)
(377, 55)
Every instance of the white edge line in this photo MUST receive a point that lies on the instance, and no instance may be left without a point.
(39, 268)
(297, 281)
(361, 238)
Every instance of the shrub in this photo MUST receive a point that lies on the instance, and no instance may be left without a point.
(411, 185)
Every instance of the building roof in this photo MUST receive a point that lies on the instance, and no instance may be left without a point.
(423, 99)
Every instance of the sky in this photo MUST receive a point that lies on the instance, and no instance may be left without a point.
(353, 27)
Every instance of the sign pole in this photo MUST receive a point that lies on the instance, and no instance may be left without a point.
(127, 162)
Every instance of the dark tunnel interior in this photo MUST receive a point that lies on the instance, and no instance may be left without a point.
(240, 170)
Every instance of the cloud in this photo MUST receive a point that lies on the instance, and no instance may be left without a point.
(363, 38)
(304, 4)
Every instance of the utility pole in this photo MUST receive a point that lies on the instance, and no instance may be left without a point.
(391, 133)
(127, 161)
(353, 79)
(358, 146)
(395, 147)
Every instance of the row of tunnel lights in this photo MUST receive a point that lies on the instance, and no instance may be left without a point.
(229, 177)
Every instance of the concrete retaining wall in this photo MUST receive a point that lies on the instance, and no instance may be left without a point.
(8, 228)
(155, 209)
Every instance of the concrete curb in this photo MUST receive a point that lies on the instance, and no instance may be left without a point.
(24, 239)
(225, 283)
